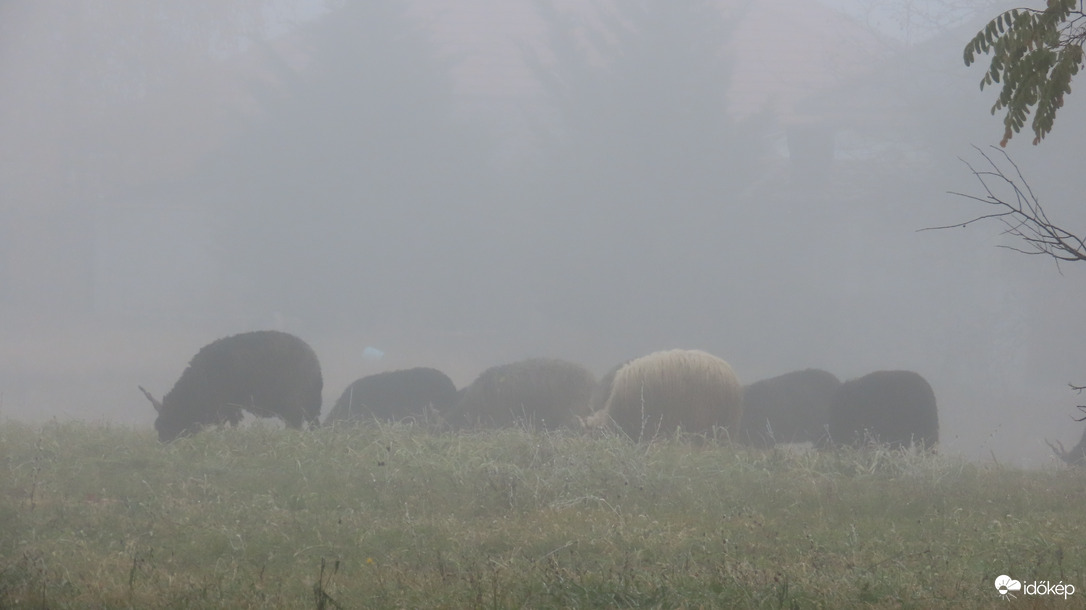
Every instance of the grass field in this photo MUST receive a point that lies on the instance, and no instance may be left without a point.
(94, 516)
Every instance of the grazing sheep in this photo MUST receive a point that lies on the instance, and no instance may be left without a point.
(540, 392)
(892, 407)
(688, 389)
(789, 408)
(395, 395)
(268, 373)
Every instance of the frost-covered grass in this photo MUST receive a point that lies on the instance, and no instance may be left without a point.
(401, 516)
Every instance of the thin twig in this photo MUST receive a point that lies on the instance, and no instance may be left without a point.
(1022, 215)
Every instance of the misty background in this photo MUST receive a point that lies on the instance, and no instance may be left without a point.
(462, 185)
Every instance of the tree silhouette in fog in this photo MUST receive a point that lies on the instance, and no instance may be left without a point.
(91, 91)
(640, 161)
(349, 170)
(640, 99)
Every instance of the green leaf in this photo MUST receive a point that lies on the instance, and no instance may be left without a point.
(1035, 53)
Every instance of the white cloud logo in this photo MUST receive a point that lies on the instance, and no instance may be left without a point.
(1005, 584)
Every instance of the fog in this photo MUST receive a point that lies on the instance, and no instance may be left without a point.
(461, 185)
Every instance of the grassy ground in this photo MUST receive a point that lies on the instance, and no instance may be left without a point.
(93, 516)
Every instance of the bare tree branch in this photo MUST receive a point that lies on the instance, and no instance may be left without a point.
(1020, 211)
(1079, 389)
(1024, 218)
(1077, 455)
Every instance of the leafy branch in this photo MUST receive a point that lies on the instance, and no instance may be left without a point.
(1035, 54)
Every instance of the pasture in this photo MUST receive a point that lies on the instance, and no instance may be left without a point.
(398, 515)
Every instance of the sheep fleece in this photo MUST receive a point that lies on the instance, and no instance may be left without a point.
(546, 392)
(789, 408)
(666, 390)
(268, 373)
(893, 407)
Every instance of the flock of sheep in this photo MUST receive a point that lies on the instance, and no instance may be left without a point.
(275, 374)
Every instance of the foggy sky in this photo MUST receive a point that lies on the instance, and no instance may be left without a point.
(456, 188)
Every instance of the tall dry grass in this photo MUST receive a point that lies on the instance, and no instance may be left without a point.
(402, 516)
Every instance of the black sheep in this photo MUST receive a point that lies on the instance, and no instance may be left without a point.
(789, 408)
(268, 373)
(540, 392)
(896, 408)
(395, 395)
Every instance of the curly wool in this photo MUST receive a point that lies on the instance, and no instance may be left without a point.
(542, 392)
(896, 408)
(267, 373)
(395, 395)
(790, 408)
(690, 390)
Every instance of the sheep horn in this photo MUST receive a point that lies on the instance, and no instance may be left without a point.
(157, 404)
